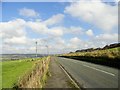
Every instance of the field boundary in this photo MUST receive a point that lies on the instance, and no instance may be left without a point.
(37, 77)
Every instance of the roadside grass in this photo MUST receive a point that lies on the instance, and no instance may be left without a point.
(46, 75)
(107, 57)
(109, 53)
(12, 71)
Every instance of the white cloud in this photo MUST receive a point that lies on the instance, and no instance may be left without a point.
(28, 12)
(106, 37)
(15, 32)
(55, 31)
(54, 19)
(60, 41)
(100, 14)
(38, 27)
(75, 40)
(41, 28)
(76, 43)
(74, 30)
(16, 40)
(58, 44)
(13, 28)
(89, 32)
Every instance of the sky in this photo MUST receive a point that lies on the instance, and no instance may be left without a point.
(62, 26)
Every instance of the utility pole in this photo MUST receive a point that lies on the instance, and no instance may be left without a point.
(47, 50)
(36, 48)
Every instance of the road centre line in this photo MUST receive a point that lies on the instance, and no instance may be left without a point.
(100, 70)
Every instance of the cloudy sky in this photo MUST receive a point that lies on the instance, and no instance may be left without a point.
(63, 26)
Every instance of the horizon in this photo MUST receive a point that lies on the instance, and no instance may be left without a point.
(52, 53)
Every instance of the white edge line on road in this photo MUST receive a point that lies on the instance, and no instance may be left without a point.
(70, 77)
(100, 70)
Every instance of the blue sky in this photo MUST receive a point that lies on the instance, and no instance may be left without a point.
(46, 9)
(64, 26)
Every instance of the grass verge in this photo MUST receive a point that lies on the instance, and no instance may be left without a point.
(108, 57)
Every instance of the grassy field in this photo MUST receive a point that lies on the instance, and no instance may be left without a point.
(13, 70)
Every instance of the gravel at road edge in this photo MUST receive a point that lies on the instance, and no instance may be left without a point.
(57, 79)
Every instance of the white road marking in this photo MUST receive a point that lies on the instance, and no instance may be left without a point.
(100, 70)
(70, 77)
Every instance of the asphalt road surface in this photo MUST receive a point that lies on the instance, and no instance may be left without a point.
(90, 75)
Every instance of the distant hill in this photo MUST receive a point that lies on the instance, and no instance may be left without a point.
(104, 48)
(111, 46)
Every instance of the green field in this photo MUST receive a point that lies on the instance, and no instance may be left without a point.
(12, 71)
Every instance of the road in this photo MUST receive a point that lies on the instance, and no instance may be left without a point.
(90, 75)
